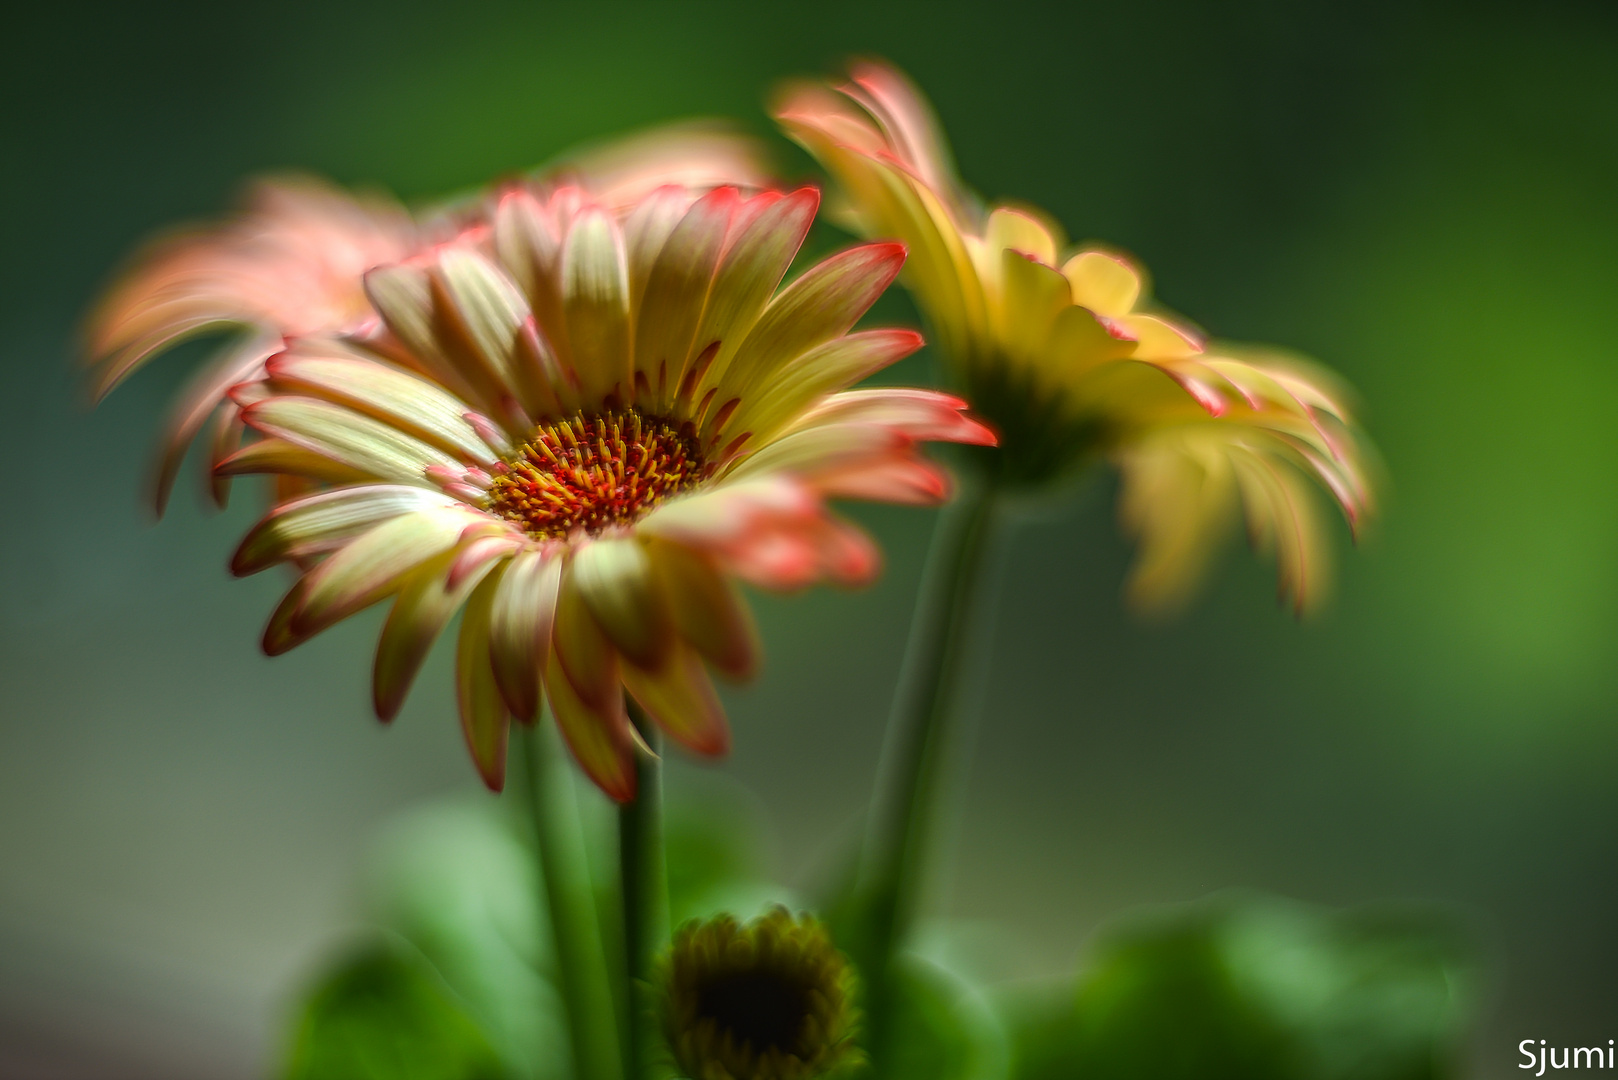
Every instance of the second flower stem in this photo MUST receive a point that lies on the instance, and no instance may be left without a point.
(915, 754)
(644, 879)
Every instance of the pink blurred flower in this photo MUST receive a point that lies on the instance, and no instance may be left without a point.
(291, 262)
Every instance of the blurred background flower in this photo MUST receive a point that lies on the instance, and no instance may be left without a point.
(1065, 356)
(1421, 197)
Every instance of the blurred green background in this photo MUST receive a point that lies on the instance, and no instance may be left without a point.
(1424, 197)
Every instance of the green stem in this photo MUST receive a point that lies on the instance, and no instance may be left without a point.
(644, 880)
(581, 961)
(916, 752)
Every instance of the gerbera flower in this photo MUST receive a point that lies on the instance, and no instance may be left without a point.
(772, 1000)
(581, 428)
(1059, 351)
(291, 263)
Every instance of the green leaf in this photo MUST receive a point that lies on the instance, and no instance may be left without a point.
(458, 881)
(943, 1029)
(1255, 988)
(383, 1013)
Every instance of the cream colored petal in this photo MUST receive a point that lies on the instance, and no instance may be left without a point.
(404, 401)
(277, 456)
(838, 363)
(1106, 284)
(614, 576)
(1178, 499)
(320, 522)
(529, 246)
(479, 315)
(822, 304)
(680, 699)
(677, 291)
(598, 734)
(924, 415)
(520, 622)
(769, 233)
(403, 297)
(347, 437)
(370, 567)
(825, 448)
(485, 723)
(424, 605)
(646, 230)
(595, 301)
(708, 611)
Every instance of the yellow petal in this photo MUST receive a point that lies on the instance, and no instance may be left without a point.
(1104, 283)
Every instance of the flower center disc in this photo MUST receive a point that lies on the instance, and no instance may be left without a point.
(762, 1009)
(593, 472)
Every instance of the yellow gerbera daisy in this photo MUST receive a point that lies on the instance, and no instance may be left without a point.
(579, 425)
(1062, 356)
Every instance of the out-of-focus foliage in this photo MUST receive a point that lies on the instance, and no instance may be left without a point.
(1256, 989)
(944, 1028)
(383, 1013)
(457, 886)
(459, 882)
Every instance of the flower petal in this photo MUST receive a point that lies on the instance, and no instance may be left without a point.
(840, 362)
(371, 566)
(679, 697)
(614, 576)
(1019, 231)
(755, 260)
(708, 610)
(581, 646)
(413, 405)
(820, 305)
(484, 720)
(326, 520)
(595, 300)
(425, 603)
(520, 621)
(1104, 283)
(677, 290)
(279, 457)
(921, 414)
(597, 734)
(375, 448)
(645, 232)
(825, 448)
(723, 513)
(907, 481)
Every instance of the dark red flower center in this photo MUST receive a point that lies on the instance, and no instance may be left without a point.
(593, 472)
